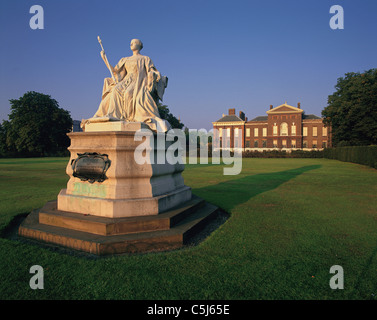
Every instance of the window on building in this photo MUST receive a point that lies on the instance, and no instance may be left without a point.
(255, 132)
(220, 132)
(275, 130)
(305, 144)
(324, 131)
(236, 132)
(314, 145)
(264, 132)
(305, 131)
(315, 131)
(247, 143)
(293, 130)
(238, 143)
(284, 143)
(293, 143)
(247, 132)
(228, 132)
(275, 143)
(324, 144)
(284, 129)
(256, 144)
(264, 143)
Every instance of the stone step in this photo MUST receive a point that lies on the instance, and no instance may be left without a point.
(49, 215)
(158, 240)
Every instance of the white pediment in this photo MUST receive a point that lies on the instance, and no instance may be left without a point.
(285, 108)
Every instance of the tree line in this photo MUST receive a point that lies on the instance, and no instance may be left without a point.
(37, 126)
(352, 110)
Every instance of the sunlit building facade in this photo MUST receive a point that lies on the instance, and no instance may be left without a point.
(285, 127)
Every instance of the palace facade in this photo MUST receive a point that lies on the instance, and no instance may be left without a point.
(285, 127)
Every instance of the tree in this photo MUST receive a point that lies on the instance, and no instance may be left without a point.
(352, 109)
(3, 140)
(37, 126)
(165, 114)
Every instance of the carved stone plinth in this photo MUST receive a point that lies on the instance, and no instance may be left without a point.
(129, 188)
(114, 203)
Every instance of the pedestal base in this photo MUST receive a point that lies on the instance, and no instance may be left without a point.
(103, 236)
(115, 204)
(116, 208)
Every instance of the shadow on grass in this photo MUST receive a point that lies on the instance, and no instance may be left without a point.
(10, 231)
(232, 193)
(226, 195)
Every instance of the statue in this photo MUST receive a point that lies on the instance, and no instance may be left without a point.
(133, 92)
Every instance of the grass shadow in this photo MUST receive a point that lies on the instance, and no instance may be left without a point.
(10, 230)
(234, 192)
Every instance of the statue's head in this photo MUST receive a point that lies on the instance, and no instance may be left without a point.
(136, 44)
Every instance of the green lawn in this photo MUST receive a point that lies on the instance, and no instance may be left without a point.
(290, 221)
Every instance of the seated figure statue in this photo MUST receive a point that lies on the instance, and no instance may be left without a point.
(133, 92)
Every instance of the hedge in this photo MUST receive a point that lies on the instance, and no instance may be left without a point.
(274, 154)
(283, 154)
(366, 155)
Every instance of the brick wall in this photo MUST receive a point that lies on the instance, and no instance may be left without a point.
(261, 134)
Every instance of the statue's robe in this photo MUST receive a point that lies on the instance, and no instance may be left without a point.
(135, 96)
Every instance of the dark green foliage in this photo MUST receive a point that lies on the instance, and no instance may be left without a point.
(352, 109)
(169, 117)
(366, 155)
(3, 138)
(271, 153)
(283, 154)
(37, 126)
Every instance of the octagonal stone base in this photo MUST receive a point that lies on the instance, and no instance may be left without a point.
(106, 236)
(129, 206)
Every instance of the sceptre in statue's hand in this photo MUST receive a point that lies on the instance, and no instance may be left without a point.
(133, 91)
(103, 55)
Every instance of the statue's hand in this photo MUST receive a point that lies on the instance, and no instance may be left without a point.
(103, 55)
(158, 76)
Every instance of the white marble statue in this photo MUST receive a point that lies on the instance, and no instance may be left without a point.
(133, 92)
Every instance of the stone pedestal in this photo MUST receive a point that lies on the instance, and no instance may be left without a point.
(122, 195)
(130, 189)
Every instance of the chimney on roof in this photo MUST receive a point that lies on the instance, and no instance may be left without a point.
(271, 106)
(299, 105)
(232, 112)
(242, 115)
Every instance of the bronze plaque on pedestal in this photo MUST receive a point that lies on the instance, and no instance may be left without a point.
(91, 167)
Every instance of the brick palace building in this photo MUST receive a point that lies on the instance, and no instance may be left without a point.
(285, 127)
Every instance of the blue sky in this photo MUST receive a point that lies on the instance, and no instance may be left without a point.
(217, 54)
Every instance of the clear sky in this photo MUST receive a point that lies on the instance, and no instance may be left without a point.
(217, 54)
